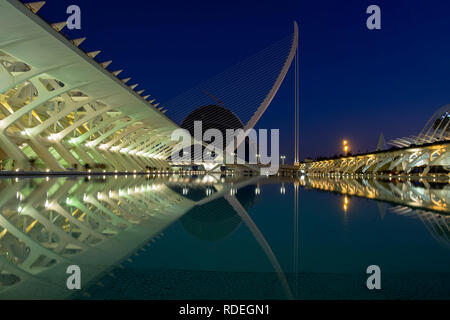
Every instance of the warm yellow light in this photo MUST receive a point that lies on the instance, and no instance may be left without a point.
(345, 145)
(31, 226)
(345, 205)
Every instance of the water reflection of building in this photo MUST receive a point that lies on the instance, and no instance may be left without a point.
(48, 224)
(429, 202)
(217, 219)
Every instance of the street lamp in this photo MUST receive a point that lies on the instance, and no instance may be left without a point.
(345, 146)
(282, 159)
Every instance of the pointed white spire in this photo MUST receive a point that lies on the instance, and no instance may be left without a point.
(381, 142)
(59, 25)
(145, 97)
(157, 104)
(35, 6)
(116, 73)
(126, 80)
(106, 63)
(164, 111)
(140, 92)
(153, 100)
(93, 54)
(134, 86)
(78, 41)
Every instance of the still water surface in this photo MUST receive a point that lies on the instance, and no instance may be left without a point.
(213, 237)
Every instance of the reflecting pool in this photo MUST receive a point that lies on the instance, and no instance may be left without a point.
(223, 237)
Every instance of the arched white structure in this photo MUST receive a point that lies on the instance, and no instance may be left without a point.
(276, 86)
(61, 110)
(437, 128)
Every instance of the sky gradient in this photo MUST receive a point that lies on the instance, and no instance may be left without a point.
(354, 82)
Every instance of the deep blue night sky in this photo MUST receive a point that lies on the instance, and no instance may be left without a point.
(355, 82)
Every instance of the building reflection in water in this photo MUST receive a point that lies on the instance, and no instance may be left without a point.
(217, 219)
(419, 199)
(97, 223)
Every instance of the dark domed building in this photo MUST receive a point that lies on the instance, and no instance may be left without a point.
(213, 117)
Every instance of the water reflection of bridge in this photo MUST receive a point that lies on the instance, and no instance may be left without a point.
(429, 202)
